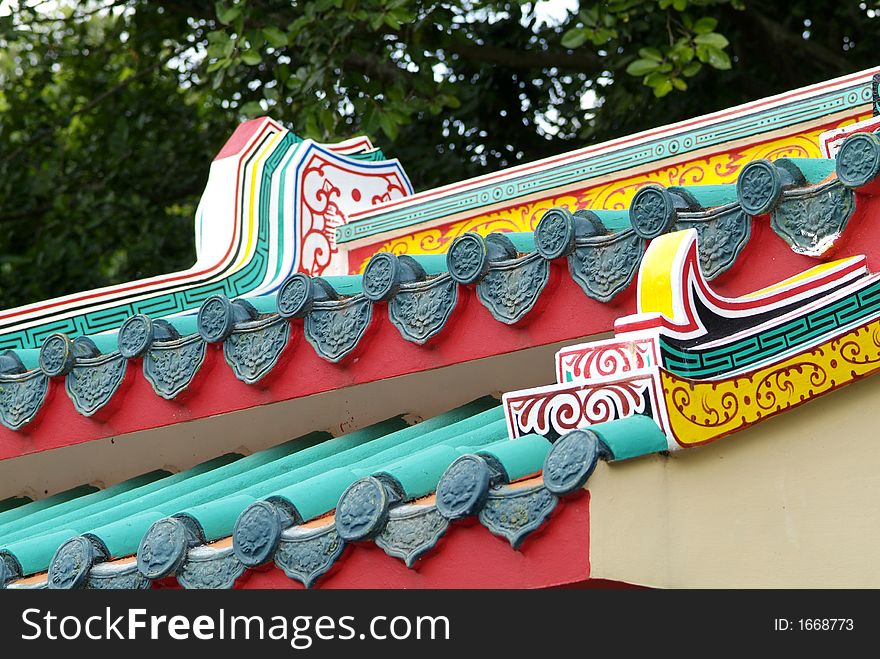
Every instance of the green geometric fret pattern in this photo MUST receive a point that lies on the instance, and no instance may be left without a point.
(237, 284)
(856, 308)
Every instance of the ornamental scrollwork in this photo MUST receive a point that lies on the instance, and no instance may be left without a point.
(514, 513)
(721, 236)
(21, 397)
(170, 367)
(811, 220)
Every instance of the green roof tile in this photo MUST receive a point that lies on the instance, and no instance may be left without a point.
(631, 437)
(520, 457)
(48, 502)
(13, 502)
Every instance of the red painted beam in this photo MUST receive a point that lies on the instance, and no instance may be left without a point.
(562, 313)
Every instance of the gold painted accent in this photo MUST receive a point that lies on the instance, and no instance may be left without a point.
(718, 168)
(702, 411)
(660, 283)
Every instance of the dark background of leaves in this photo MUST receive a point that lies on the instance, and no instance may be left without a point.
(111, 111)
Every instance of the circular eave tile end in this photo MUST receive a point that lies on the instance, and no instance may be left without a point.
(468, 258)
(256, 534)
(215, 320)
(362, 510)
(464, 487)
(759, 187)
(71, 563)
(652, 211)
(381, 279)
(555, 234)
(295, 297)
(163, 548)
(56, 355)
(135, 336)
(570, 462)
(858, 160)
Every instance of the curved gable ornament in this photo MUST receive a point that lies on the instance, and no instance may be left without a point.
(271, 208)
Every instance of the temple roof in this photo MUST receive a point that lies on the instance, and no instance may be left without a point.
(508, 273)
(280, 503)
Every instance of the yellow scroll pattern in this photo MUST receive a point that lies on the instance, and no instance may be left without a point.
(702, 411)
(718, 168)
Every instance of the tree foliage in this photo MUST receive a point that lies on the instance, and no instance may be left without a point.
(111, 110)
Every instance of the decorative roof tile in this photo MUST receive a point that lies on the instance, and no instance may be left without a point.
(397, 485)
(809, 208)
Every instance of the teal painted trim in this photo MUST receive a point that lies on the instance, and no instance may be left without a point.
(814, 170)
(614, 220)
(487, 429)
(523, 241)
(520, 457)
(59, 514)
(631, 436)
(446, 428)
(13, 502)
(30, 358)
(263, 303)
(34, 554)
(825, 321)
(581, 171)
(48, 502)
(434, 264)
(709, 196)
(346, 284)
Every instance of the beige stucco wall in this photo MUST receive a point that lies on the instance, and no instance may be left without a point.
(791, 502)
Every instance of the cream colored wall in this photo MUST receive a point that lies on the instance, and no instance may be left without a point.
(177, 447)
(791, 502)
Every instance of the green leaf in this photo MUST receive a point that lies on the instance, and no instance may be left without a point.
(640, 67)
(679, 84)
(275, 37)
(388, 126)
(651, 53)
(679, 5)
(574, 38)
(226, 15)
(705, 25)
(682, 54)
(251, 58)
(654, 79)
(718, 59)
(251, 109)
(663, 88)
(691, 69)
(712, 39)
